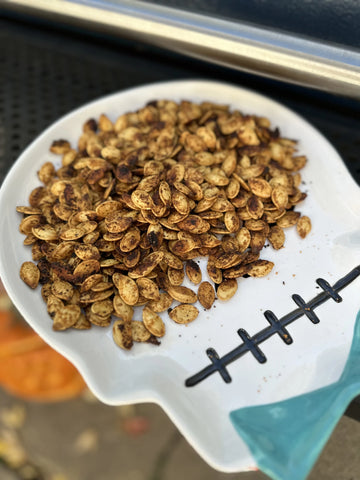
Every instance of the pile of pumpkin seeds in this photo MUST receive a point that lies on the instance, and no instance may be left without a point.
(120, 223)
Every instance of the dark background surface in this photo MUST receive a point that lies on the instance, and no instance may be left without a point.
(48, 71)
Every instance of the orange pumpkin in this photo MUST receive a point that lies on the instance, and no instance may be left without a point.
(31, 369)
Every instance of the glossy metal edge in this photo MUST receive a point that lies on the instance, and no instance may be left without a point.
(236, 45)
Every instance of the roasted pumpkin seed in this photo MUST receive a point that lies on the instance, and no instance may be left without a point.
(276, 237)
(162, 304)
(112, 228)
(66, 317)
(148, 288)
(182, 294)
(139, 332)
(128, 290)
(153, 322)
(206, 295)
(62, 289)
(303, 226)
(176, 277)
(184, 313)
(30, 274)
(121, 309)
(193, 272)
(227, 289)
(122, 334)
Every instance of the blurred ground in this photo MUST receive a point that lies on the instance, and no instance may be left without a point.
(82, 439)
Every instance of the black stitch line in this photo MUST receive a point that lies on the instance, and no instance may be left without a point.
(278, 328)
(219, 364)
(251, 345)
(309, 312)
(329, 290)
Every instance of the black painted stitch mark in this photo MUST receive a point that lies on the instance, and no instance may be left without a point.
(252, 346)
(217, 364)
(329, 290)
(309, 312)
(277, 326)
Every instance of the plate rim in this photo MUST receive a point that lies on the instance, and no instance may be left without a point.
(352, 189)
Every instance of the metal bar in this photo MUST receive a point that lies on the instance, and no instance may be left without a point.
(236, 45)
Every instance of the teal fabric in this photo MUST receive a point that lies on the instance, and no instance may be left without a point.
(285, 438)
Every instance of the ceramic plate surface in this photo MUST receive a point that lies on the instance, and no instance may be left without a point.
(147, 373)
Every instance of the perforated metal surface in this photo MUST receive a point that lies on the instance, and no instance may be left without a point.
(46, 73)
(44, 76)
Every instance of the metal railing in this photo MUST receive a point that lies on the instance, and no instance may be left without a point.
(233, 44)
